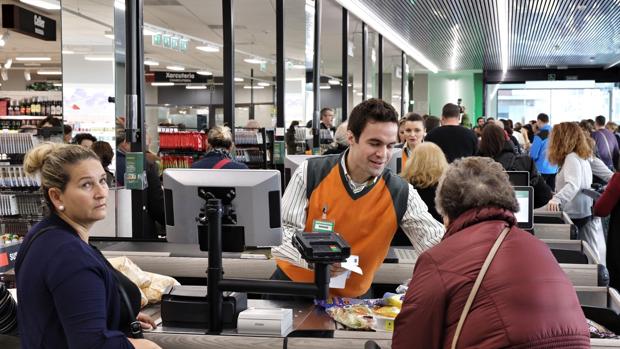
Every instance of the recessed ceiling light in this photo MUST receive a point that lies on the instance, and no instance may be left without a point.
(49, 72)
(324, 87)
(47, 4)
(162, 83)
(33, 59)
(255, 60)
(109, 34)
(57, 84)
(238, 79)
(359, 94)
(32, 64)
(264, 84)
(99, 58)
(204, 72)
(298, 66)
(68, 52)
(8, 64)
(149, 32)
(333, 82)
(208, 48)
(150, 62)
(175, 67)
(195, 87)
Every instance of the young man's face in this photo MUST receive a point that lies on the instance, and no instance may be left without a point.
(373, 150)
(481, 122)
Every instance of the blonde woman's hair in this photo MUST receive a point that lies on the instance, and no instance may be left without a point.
(566, 138)
(426, 165)
(50, 160)
(220, 137)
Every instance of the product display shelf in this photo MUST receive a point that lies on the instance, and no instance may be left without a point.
(254, 147)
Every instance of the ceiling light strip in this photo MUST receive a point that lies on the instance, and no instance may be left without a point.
(502, 18)
(370, 18)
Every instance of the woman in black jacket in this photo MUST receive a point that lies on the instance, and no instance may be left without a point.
(495, 145)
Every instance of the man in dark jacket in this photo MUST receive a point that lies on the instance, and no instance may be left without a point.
(455, 140)
(524, 300)
(606, 143)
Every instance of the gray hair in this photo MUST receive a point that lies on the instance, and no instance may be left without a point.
(474, 182)
(340, 136)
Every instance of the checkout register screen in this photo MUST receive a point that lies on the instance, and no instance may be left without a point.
(523, 197)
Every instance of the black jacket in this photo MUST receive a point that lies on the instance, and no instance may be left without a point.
(513, 162)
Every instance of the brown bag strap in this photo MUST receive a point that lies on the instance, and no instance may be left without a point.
(474, 290)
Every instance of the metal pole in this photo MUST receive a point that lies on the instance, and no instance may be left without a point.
(251, 116)
(380, 69)
(403, 57)
(316, 76)
(345, 64)
(280, 72)
(229, 64)
(364, 62)
(134, 108)
(214, 272)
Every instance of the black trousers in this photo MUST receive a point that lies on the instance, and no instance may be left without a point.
(550, 180)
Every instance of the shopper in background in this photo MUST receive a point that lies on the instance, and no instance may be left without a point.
(524, 300)
(365, 201)
(569, 149)
(50, 121)
(538, 151)
(68, 131)
(455, 140)
(68, 293)
(84, 139)
(414, 135)
(479, 125)
(494, 145)
(218, 155)
(253, 124)
(341, 143)
(327, 119)
(155, 193)
(401, 130)
(423, 171)
(606, 143)
(105, 153)
(528, 131)
(608, 204)
(431, 123)
(291, 144)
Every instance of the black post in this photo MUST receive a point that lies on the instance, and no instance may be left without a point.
(214, 273)
(316, 76)
(380, 69)
(134, 108)
(229, 64)
(251, 116)
(403, 57)
(364, 62)
(280, 72)
(345, 64)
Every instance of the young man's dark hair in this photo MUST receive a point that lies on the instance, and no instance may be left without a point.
(450, 111)
(600, 120)
(543, 117)
(104, 151)
(374, 110)
(414, 117)
(84, 136)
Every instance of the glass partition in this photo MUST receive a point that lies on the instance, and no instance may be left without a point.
(331, 58)
(392, 74)
(355, 60)
(373, 64)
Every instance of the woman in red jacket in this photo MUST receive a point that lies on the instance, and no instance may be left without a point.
(605, 205)
(524, 300)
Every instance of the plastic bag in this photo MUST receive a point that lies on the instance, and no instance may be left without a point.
(592, 233)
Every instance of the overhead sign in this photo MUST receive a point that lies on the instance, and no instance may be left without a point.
(181, 77)
(28, 23)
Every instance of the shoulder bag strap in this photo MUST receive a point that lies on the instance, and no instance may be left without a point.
(134, 326)
(474, 290)
(221, 163)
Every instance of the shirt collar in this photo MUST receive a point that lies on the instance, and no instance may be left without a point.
(353, 184)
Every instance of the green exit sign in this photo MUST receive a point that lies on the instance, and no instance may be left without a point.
(156, 40)
(183, 43)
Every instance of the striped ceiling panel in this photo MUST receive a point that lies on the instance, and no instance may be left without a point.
(464, 34)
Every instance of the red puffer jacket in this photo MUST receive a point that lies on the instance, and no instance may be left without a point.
(525, 299)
